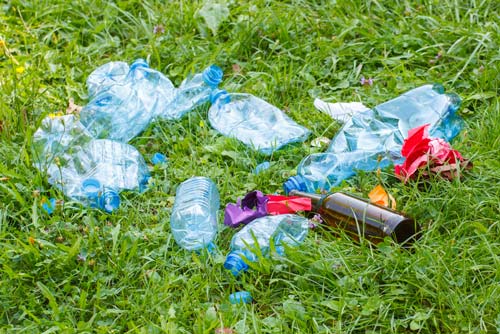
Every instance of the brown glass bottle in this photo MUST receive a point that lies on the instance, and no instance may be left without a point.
(358, 216)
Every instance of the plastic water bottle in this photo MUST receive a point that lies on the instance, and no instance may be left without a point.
(253, 121)
(286, 229)
(373, 139)
(106, 75)
(194, 215)
(90, 171)
(192, 92)
(125, 108)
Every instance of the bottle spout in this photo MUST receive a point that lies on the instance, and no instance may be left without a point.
(212, 75)
(109, 200)
(297, 182)
(138, 63)
(234, 263)
(219, 94)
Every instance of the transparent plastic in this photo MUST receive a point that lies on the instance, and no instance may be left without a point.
(194, 216)
(90, 171)
(123, 107)
(286, 229)
(253, 121)
(193, 92)
(373, 139)
(106, 75)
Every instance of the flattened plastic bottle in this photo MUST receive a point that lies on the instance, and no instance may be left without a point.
(194, 216)
(373, 139)
(253, 121)
(90, 171)
(106, 75)
(193, 92)
(286, 229)
(125, 108)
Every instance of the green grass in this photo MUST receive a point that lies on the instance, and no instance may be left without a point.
(81, 270)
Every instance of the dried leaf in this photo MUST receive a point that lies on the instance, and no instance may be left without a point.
(72, 107)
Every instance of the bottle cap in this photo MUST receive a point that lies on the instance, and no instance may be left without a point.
(297, 182)
(212, 75)
(219, 94)
(91, 188)
(158, 158)
(109, 200)
(138, 63)
(234, 263)
(240, 297)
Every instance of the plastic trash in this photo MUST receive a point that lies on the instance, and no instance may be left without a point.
(253, 121)
(158, 158)
(373, 139)
(194, 215)
(261, 167)
(192, 92)
(124, 106)
(240, 297)
(340, 111)
(286, 229)
(90, 171)
(106, 75)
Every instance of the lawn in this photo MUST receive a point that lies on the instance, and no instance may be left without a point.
(82, 270)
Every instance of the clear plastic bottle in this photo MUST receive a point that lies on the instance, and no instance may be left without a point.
(194, 216)
(373, 139)
(253, 121)
(193, 91)
(106, 75)
(286, 229)
(90, 171)
(124, 109)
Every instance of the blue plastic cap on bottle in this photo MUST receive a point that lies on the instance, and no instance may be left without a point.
(212, 75)
(138, 63)
(219, 94)
(296, 182)
(109, 200)
(234, 263)
(240, 297)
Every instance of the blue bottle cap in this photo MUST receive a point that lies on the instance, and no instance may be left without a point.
(240, 297)
(235, 263)
(212, 75)
(91, 188)
(138, 63)
(50, 206)
(297, 182)
(219, 94)
(109, 200)
(158, 158)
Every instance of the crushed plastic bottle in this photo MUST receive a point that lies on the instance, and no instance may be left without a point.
(90, 171)
(286, 229)
(373, 139)
(194, 215)
(192, 92)
(106, 75)
(124, 106)
(253, 121)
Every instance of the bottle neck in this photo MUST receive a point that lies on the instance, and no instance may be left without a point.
(316, 199)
